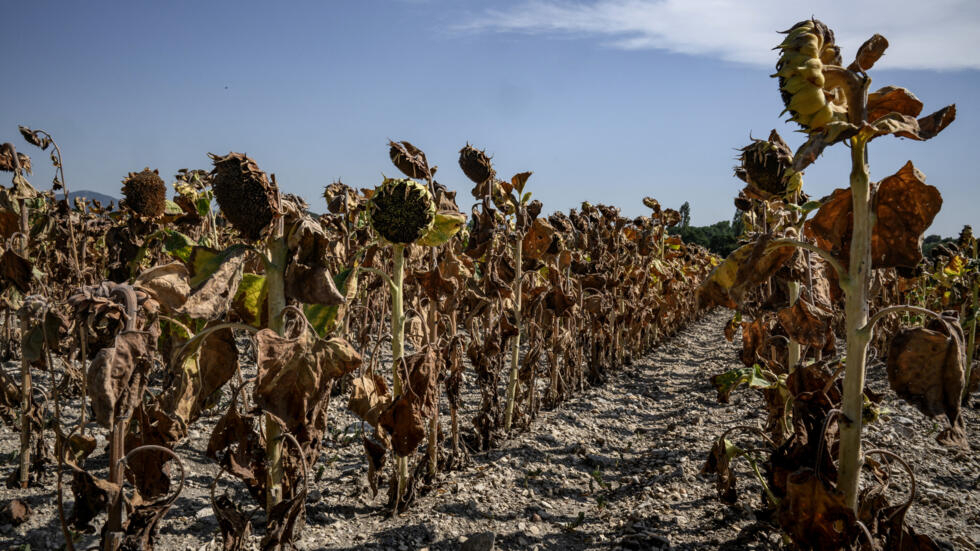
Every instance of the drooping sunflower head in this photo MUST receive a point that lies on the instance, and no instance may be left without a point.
(767, 165)
(475, 164)
(401, 210)
(144, 193)
(966, 241)
(246, 196)
(807, 49)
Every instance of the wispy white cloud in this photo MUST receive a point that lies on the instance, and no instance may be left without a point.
(937, 34)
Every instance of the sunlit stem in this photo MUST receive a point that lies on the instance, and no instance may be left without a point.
(277, 302)
(516, 351)
(398, 342)
(856, 318)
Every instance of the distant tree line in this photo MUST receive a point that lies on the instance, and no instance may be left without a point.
(720, 238)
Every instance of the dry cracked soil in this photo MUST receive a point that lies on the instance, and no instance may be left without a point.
(616, 467)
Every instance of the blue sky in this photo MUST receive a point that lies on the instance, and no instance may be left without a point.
(605, 100)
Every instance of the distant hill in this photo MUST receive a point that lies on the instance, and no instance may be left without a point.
(92, 195)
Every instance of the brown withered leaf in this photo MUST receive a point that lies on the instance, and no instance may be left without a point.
(807, 153)
(212, 297)
(433, 284)
(814, 514)
(869, 53)
(893, 99)
(754, 337)
(307, 278)
(9, 223)
(933, 124)
(235, 526)
(730, 328)
(243, 447)
(671, 217)
(295, 375)
(7, 163)
(142, 520)
(218, 362)
(904, 206)
(312, 285)
(168, 284)
(538, 239)
(403, 421)
(719, 463)
(653, 205)
(832, 225)
(15, 512)
(115, 376)
(409, 159)
(15, 270)
(743, 270)
(203, 371)
(79, 447)
(92, 496)
(405, 417)
(905, 126)
(925, 368)
(284, 518)
(369, 397)
(807, 324)
(149, 470)
(376, 455)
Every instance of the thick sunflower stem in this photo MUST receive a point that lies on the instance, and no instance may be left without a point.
(398, 343)
(516, 351)
(277, 302)
(856, 318)
(25, 366)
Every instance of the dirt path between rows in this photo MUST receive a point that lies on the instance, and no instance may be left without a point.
(615, 467)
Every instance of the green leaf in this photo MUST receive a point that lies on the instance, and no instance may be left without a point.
(728, 381)
(205, 261)
(251, 300)
(172, 208)
(203, 205)
(446, 225)
(176, 244)
(810, 206)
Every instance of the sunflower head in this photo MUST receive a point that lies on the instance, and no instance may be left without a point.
(767, 166)
(475, 164)
(145, 193)
(401, 210)
(246, 196)
(807, 49)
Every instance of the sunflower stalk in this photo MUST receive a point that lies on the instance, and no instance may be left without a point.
(25, 406)
(972, 338)
(275, 272)
(25, 366)
(856, 288)
(516, 350)
(398, 343)
(794, 346)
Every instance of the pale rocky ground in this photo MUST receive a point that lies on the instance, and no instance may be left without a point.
(615, 467)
